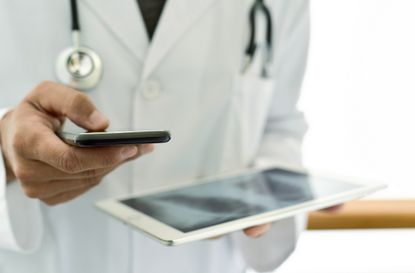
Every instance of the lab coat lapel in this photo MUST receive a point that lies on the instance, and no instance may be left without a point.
(124, 20)
(178, 16)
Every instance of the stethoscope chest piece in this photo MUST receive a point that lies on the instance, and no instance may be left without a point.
(79, 68)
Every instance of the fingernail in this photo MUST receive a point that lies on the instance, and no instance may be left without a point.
(146, 148)
(128, 152)
(97, 119)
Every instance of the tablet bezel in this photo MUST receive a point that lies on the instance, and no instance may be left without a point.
(170, 236)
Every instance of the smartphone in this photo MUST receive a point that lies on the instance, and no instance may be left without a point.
(102, 139)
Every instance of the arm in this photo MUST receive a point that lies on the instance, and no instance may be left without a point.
(285, 128)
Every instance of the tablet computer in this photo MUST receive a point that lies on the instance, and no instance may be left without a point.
(225, 203)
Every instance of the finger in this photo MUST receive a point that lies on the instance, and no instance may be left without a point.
(60, 100)
(54, 188)
(51, 150)
(36, 171)
(65, 197)
(43, 145)
(143, 149)
(257, 231)
(31, 117)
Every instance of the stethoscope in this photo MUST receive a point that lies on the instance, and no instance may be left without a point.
(81, 68)
(77, 66)
(259, 6)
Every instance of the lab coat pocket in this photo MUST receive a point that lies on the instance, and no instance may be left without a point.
(251, 100)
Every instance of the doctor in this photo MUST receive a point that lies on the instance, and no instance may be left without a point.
(185, 72)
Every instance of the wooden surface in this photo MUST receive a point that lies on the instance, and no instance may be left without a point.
(366, 214)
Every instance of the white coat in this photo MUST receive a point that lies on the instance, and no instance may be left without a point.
(188, 81)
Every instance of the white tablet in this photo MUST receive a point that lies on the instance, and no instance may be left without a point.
(227, 203)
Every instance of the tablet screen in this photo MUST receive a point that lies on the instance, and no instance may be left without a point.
(204, 205)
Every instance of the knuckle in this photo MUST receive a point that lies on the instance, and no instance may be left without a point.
(80, 105)
(109, 160)
(94, 173)
(78, 98)
(79, 101)
(92, 181)
(44, 86)
(37, 139)
(50, 202)
(106, 159)
(18, 142)
(22, 173)
(69, 162)
(22, 141)
(41, 89)
(31, 192)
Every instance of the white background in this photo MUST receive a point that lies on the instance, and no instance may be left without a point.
(359, 91)
(359, 96)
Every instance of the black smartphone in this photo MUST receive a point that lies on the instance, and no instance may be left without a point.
(102, 139)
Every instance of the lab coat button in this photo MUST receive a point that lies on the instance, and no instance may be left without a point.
(151, 90)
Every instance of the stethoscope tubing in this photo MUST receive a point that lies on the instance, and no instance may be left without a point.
(259, 5)
(75, 16)
(90, 80)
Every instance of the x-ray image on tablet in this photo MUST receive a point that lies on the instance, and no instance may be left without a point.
(231, 199)
(210, 204)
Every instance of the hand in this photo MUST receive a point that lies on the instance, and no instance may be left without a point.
(47, 168)
(258, 231)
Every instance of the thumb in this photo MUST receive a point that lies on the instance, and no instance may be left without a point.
(60, 100)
